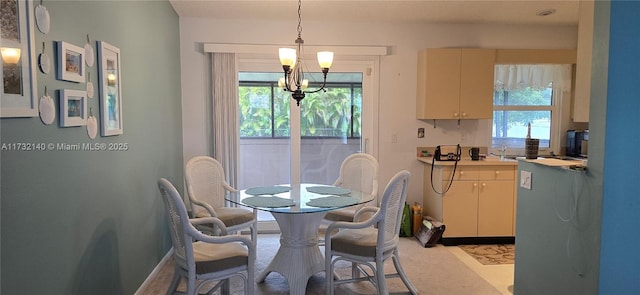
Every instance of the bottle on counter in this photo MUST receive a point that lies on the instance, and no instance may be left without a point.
(503, 152)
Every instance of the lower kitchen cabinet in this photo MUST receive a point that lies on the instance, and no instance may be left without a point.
(478, 204)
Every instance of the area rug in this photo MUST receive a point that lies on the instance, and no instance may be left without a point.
(491, 254)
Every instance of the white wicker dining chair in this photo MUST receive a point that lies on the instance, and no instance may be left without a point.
(206, 188)
(371, 242)
(201, 258)
(358, 172)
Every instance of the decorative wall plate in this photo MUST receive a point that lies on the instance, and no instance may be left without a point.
(47, 109)
(43, 20)
(89, 57)
(44, 62)
(92, 126)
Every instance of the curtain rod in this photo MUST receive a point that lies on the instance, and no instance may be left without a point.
(262, 48)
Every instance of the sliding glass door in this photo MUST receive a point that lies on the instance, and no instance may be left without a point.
(283, 143)
(330, 128)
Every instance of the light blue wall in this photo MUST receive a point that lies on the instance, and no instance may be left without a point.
(558, 226)
(620, 260)
(558, 231)
(81, 222)
(544, 242)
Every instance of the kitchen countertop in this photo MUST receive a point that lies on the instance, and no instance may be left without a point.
(562, 163)
(466, 161)
(494, 160)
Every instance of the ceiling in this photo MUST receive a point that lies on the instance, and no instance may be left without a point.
(398, 11)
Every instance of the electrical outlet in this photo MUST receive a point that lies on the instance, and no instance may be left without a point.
(525, 179)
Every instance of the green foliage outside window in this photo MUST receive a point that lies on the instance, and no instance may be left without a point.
(530, 104)
(264, 111)
(255, 111)
(525, 97)
(512, 112)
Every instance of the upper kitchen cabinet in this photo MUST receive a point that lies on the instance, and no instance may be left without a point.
(582, 93)
(455, 83)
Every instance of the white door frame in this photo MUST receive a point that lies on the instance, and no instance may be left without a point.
(369, 67)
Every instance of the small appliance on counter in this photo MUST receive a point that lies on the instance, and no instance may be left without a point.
(577, 143)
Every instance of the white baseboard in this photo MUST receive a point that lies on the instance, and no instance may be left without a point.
(154, 272)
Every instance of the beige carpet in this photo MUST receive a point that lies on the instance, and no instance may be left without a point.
(491, 254)
(433, 271)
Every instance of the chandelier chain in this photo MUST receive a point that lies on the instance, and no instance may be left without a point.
(299, 19)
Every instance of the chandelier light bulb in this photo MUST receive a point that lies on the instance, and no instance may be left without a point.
(287, 57)
(325, 59)
(305, 84)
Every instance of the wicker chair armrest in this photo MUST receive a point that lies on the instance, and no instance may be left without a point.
(364, 211)
(229, 188)
(210, 209)
(210, 220)
(349, 225)
(198, 236)
(352, 225)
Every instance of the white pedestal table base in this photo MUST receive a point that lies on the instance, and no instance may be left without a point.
(299, 256)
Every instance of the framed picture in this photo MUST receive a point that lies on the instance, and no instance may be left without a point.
(110, 89)
(18, 92)
(73, 108)
(70, 62)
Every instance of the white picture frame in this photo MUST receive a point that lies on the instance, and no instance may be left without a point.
(73, 108)
(110, 86)
(24, 102)
(71, 64)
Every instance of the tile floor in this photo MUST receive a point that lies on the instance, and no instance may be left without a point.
(500, 276)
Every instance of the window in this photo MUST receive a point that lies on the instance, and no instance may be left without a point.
(264, 111)
(514, 110)
(264, 108)
(528, 94)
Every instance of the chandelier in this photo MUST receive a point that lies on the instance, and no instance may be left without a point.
(292, 64)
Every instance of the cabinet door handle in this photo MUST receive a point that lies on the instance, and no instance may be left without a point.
(464, 114)
(475, 184)
(461, 172)
(484, 185)
(497, 172)
(455, 114)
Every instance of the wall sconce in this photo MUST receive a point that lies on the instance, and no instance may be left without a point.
(10, 55)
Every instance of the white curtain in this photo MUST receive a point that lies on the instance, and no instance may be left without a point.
(539, 76)
(225, 113)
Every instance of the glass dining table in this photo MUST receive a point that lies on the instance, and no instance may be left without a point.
(299, 211)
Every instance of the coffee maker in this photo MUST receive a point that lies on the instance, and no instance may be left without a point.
(577, 142)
